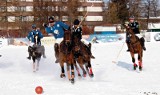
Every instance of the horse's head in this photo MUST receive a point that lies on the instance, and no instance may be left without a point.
(76, 44)
(67, 37)
(36, 39)
(130, 33)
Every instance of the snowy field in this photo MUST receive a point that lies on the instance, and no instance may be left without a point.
(17, 77)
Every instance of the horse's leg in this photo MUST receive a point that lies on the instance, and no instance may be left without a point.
(43, 51)
(34, 60)
(133, 60)
(90, 69)
(62, 70)
(38, 60)
(68, 72)
(72, 73)
(80, 62)
(77, 69)
(84, 71)
(140, 60)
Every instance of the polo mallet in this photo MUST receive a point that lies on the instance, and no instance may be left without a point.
(83, 18)
(115, 61)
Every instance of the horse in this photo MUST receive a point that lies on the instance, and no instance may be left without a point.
(64, 54)
(82, 55)
(36, 52)
(135, 48)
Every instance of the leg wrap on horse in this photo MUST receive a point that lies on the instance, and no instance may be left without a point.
(62, 69)
(133, 60)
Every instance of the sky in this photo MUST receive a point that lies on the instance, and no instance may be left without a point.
(17, 76)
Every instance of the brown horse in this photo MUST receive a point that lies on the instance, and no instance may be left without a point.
(135, 48)
(82, 56)
(64, 54)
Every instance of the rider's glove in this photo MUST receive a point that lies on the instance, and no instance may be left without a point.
(44, 24)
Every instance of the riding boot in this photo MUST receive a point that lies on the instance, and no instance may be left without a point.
(56, 49)
(128, 47)
(127, 42)
(89, 49)
(29, 52)
(143, 43)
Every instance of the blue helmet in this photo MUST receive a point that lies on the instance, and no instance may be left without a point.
(51, 18)
(131, 17)
(33, 25)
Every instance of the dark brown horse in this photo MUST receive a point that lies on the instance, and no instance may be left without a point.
(64, 54)
(135, 48)
(82, 55)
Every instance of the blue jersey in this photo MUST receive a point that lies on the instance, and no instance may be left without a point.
(60, 26)
(32, 33)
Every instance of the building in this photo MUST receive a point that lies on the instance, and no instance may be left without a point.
(16, 16)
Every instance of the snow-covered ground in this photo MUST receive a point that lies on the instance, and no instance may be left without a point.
(17, 77)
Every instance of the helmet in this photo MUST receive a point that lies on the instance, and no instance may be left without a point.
(131, 18)
(33, 25)
(76, 22)
(51, 18)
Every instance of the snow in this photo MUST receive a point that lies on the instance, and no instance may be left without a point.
(17, 77)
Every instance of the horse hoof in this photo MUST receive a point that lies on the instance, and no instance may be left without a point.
(91, 75)
(140, 68)
(79, 75)
(62, 75)
(134, 67)
(84, 75)
(72, 81)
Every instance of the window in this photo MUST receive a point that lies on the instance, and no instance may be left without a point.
(2, 9)
(11, 19)
(2, 19)
(64, 18)
(29, 8)
(9, 0)
(11, 8)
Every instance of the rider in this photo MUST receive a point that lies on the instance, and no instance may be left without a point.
(56, 28)
(31, 36)
(77, 31)
(135, 27)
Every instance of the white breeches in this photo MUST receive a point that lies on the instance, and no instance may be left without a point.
(139, 35)
(59, 40)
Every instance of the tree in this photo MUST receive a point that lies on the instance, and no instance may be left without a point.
(117, 11)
